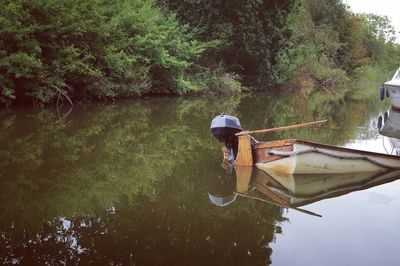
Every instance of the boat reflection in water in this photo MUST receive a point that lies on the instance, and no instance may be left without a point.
(294, 191)
(389, 128)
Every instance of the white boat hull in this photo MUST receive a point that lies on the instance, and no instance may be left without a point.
(335, 162)
(393, 89)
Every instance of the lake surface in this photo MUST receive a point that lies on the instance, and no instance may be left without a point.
(130, 183)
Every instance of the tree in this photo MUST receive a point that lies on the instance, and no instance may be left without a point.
(96, 49)
(251, 33)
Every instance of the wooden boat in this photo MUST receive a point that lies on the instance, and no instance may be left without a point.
(295, 156)
(392, 88)
(306, 157)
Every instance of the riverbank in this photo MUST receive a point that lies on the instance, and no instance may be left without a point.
(86, 51)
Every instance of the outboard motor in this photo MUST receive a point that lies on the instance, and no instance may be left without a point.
(224, 127)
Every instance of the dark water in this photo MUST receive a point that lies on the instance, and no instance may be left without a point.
(128, 184)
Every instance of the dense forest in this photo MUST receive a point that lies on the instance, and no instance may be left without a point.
(94, 49)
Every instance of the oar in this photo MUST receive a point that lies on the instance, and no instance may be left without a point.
(281, 128)
(279, 205)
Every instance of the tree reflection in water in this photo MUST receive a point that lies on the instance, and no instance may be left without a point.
(127, 183)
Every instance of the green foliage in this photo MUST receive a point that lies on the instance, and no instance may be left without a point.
(392, 56)
(217, 81)
(365, 81)
(330, 45)
(378, 26)
(250, 33)
(322, 47)
(95, 49)
(98, 48)
(377, 32)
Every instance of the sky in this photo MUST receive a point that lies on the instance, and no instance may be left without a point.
(390, 8)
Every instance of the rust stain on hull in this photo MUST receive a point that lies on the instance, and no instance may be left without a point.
(283, 169)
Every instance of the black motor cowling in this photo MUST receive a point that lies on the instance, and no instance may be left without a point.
(224, 127)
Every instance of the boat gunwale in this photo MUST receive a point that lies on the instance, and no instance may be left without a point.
(393, 84)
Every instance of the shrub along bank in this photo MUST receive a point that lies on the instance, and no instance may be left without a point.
(96, 49)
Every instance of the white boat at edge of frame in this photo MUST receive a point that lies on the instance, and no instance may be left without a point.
(392, 88)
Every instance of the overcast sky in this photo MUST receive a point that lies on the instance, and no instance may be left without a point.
(390, 8)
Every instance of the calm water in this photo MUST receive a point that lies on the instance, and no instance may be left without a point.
(130, 183)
